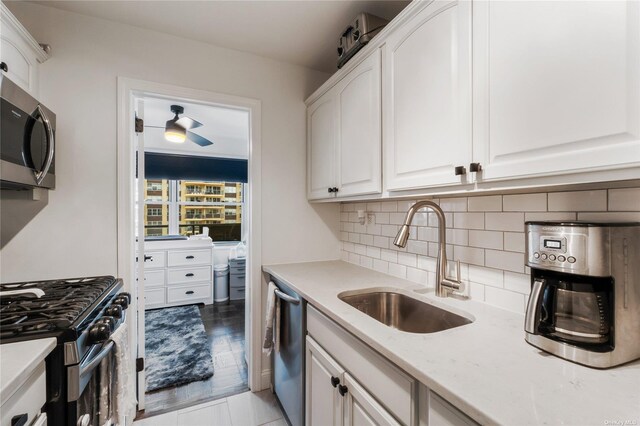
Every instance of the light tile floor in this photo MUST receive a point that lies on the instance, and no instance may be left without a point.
(245, 409)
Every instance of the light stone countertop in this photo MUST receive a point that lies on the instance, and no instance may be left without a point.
(486, 368)
(17, 362)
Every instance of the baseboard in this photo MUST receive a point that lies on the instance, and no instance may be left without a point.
(265, 379)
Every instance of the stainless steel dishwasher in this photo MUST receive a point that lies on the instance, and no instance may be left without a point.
(288, 361)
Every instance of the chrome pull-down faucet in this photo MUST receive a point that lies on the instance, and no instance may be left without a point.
(444, 284)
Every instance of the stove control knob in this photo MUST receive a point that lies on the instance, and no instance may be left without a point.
(114, 311)
(123, 301)
(544, 256)
(98, 333)
(127, 295)
(110, 321)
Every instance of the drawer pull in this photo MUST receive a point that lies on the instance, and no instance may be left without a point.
(238, 276)
(189, 292)
(335, 381)
(190, 257)
(190, 274)
(20, 419)
(342, 390)
(148, 258)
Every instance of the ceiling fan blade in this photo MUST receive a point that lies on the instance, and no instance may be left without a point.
(188, 123)
(198, 139)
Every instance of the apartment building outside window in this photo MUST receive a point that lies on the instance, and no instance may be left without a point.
(185, 207)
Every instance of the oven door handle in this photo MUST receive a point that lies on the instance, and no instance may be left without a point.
(91, 365)
(530, 318)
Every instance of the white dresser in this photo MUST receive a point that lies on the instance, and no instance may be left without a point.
(178, 273)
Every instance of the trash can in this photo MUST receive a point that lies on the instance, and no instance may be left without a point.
(221, 283)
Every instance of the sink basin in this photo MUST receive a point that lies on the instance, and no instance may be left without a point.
(404, 313)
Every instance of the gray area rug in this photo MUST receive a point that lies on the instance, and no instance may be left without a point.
(176, 347)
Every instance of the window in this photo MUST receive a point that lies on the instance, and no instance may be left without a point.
(185, 207)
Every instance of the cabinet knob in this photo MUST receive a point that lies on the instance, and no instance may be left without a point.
(460, 170)
(335, 381)
(342, 389)
(330, 190)
(4, 67)
(475, 167)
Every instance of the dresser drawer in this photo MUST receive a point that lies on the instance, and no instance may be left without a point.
(236, 270)
(155, 259)
(237, 263)
(237, 293)
(189, 292)
(154, 278)
(237, 281)
(28, 398)
(187, 275)
(189, 257)
(154, 297)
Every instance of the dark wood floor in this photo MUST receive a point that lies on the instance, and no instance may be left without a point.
(224, 325)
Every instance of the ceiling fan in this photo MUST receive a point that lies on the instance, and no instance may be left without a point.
(178, 128)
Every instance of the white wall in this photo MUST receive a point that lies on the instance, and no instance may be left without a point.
(75, 234)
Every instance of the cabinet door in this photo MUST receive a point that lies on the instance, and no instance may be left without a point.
(323, 403)
(359, 103)
(321, 147)
(556, 87)
(427, 93)
(360, 407)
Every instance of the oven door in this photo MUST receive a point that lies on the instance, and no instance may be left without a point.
(89, 391)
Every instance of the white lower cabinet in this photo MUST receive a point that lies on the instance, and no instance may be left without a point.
(350, 384)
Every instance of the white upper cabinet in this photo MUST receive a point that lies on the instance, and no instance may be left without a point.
(359, 155)
(20, 53)
(556, 87)
(344, 135)
(427, 97)
(322, 138)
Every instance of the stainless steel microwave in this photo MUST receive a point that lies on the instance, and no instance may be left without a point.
(27, 140)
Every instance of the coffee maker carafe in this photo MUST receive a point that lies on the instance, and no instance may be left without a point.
(584, 304)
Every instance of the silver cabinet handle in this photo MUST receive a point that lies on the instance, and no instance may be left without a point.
(532, 307)
(287, 298)
(50, 146)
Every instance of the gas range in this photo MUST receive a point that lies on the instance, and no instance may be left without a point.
(81, 313)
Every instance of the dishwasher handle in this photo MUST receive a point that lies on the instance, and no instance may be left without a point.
(286, 297)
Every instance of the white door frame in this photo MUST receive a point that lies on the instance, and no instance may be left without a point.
(128, 89)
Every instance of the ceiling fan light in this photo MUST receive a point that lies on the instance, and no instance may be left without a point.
(174, 132)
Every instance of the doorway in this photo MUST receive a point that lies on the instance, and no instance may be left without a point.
(182, 214)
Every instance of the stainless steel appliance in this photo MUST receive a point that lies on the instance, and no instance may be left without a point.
(27, 140)
(357, 34)
(585, 291)
(81, 314)
(288, 359)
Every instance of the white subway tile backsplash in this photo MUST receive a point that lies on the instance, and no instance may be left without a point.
(611, 216)
(486, 276)
(486, 239)
(396, 270)
(389, 255)
(366, 262)
(454, 204)
(525, 203)
(509, 261)
(504, 299)
(408, 259)
(418, 247)
(366, 239)
(417, 275)
(578, 201)
(624, 200)
(468, 220)
(486, 233)
(520, 283)
(504, 222)
(514, 241)
(381, 266)
(471, 255)
(490, 203)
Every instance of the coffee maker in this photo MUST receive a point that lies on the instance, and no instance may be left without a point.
(584, 304)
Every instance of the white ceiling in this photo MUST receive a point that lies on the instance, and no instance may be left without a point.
(302, 32)
(227, 128)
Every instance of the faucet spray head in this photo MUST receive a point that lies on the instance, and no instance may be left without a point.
(402, 237)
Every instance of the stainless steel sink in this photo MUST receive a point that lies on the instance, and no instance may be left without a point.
(404, 313)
